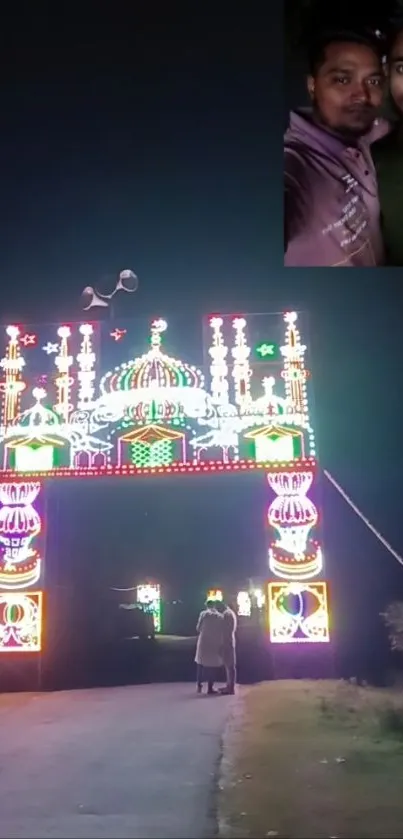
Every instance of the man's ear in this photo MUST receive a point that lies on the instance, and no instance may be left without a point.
(310, 83)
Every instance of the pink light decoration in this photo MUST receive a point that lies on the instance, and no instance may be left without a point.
(20, 523)
(28, 340)
(291, 507)
(21, 493)
(292, 514)
(212, 466)
(118, 334)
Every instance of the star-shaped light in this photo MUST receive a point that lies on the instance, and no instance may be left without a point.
(118, 334)
(265, 350)
(50, 348)
(28, 340)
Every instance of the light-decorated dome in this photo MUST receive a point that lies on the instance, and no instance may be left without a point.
(36, 424)
(37, 415)
(154, 371)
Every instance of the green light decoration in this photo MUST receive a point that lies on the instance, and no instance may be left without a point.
(154, 445)
(13, 614)
(265, 350)
(147, 455)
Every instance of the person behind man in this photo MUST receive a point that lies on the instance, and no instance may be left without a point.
(388, 154)
(208, 656)
(331, 209)
(229, 645)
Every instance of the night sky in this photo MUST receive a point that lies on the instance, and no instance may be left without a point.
(154, 142)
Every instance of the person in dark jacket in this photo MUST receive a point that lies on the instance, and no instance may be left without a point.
(387, 154)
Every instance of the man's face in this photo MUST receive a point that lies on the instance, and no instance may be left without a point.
(396, 72)
(347, 89)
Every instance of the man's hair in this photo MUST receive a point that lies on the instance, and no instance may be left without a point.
(393, 30)
(210, 604)
(319, 43)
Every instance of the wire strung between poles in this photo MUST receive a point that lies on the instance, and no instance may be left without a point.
(363, 518)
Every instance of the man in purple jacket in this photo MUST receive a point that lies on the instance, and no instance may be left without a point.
(331, 212)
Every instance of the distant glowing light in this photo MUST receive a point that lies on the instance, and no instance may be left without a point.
(149, 597)
(259, 596)
(244, 605)
(215, 594)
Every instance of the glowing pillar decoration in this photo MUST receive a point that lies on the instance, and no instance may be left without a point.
(64, 381)
(297, 607)
(21, 568)
(20, 524)
(149, 597)
(241, 372)
(295, 375)
(297, 601)
(86, 363)
(20, 622)
(12, 387)
(293, 515)
(298, 612)
(218, 352)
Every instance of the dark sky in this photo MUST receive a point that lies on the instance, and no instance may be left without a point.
(153, 140)
(137, 140)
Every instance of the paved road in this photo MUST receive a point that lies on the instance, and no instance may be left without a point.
(114, 762)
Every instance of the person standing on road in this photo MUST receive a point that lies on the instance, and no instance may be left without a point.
(209, 646)
(229, 646)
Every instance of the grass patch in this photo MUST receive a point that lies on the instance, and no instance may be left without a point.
(315, 759)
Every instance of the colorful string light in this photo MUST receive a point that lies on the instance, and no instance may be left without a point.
(156, 415)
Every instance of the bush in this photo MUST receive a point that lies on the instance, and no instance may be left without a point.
(393, 618)
(390, 719)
